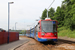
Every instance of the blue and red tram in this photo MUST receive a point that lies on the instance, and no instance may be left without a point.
(45, 30)
(28, 33)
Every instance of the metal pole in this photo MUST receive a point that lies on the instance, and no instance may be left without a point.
(48, 8)
(15, 26)
(47, 13)
(24, 31)
(8, 20)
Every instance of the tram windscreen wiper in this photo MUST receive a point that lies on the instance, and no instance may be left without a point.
(43, 30)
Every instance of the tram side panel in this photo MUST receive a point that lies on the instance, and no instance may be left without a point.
(36, 31)
(32, 33)
(28, 33)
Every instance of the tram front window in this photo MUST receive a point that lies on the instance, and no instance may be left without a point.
(48, 26)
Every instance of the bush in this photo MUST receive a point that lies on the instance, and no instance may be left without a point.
(66, 32)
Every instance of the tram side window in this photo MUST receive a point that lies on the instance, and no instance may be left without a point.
(54, 28)
(28, 31)
(32, 31)
(38, 28)
(35, 30)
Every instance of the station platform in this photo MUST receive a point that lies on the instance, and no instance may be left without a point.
(14, 44)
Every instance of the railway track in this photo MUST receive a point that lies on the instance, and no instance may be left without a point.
(47, 45)
(53, 45)
(59, 45)
(66, 41)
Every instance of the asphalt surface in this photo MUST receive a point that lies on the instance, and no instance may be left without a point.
(14, 44)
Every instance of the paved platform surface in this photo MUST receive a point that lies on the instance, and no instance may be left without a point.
(13, 44)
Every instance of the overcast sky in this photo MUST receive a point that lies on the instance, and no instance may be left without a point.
(24, 12)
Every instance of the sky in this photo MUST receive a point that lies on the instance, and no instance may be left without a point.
(24, 12)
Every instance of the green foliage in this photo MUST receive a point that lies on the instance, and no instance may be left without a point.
(59, 15)
(44, 14)
(51, 12)
(62, 31)
(23, 31)
(70, 15)
(20, 32)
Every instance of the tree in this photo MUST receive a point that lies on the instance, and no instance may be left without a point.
(69, 14)
(51, 12)
(65, 14)
(72, 12)
(57, 15)
(44, 14)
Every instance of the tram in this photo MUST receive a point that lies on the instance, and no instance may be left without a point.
(45, 30)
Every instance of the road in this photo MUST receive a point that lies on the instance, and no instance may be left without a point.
(13, 44)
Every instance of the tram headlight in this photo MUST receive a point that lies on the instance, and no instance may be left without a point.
(42, 34)
(55, 34)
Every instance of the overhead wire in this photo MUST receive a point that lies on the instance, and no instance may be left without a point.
(51, 3)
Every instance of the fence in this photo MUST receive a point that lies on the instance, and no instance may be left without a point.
(13, 36)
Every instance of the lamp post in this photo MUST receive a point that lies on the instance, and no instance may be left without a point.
(24, 31)
(15, 26)
(9, 17)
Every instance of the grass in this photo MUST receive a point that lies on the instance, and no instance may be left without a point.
(66, 32)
